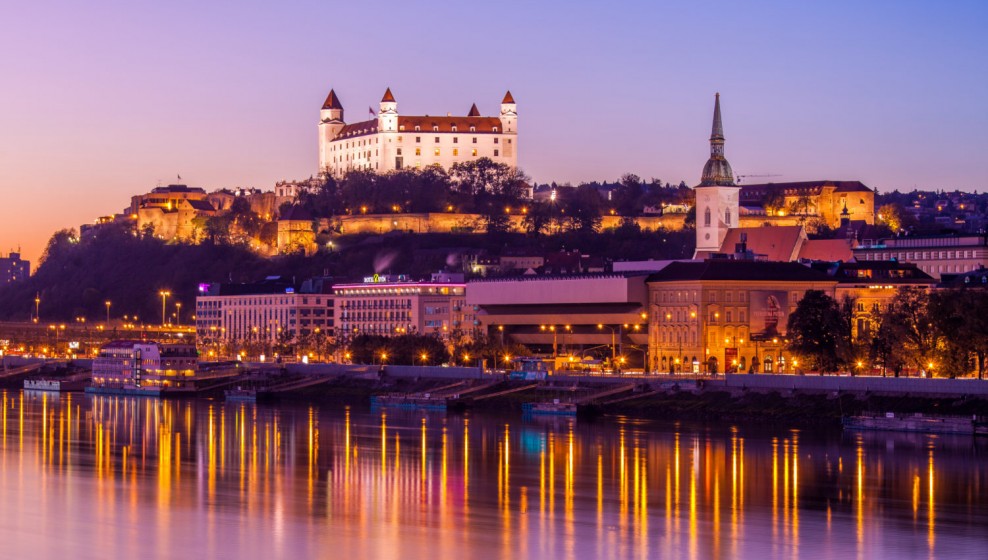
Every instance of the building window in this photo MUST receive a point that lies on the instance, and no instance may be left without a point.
(454, 128)
(495, 140)
(494, 129)
(474, 152)
(418, 151)
(402, 128)
(474, 139)
(417, 128)
(437, 152)
(509, 140)
(727, 217)
(473, 129)
(495, 153)
(418, 139)
(456, 139)
(706, 217)
(399, 138)
(456, 151)
(399, 151)
(435, 128)
(437, 139)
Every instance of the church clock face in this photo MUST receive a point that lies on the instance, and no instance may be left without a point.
(707, 237)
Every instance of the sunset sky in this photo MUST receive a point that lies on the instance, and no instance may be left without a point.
(106, 99)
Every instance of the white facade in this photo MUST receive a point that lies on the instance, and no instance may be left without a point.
(716, 211)
(263, 316)
(380, 306)
(392, 141)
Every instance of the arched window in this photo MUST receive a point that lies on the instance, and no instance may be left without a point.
(727, 217)
(706, 217)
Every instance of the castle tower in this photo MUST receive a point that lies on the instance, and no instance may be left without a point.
(330, 124)
(717, 204)
(509, 114)
(387, 117)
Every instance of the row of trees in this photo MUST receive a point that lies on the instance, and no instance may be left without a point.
(939, 332)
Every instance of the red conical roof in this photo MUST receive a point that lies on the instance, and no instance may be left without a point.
(332, 102)
(388, 98)
(508, 98)
(473, 111)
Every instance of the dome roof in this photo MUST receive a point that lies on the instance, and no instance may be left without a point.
(716, 172)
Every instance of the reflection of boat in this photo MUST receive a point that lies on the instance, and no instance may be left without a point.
(554, 408)
(917, 422)
(240, 395)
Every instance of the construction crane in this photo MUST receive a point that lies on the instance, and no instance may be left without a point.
(739, 177)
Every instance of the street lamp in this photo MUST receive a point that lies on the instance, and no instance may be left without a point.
(37, 307)
(178, 312)
(108, 303)
(424, 357)
(164, 296)
(613, 344)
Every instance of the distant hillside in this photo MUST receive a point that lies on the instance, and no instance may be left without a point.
(76, 277)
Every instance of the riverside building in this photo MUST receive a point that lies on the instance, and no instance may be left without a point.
(265, 313)
(391, 141)
(394, 305)
(130, 365)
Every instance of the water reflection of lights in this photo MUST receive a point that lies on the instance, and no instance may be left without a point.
(633, 485)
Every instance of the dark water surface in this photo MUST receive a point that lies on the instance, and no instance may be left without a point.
(116, 477)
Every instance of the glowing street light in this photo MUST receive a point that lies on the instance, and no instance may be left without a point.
(164, 296)
(108, 303)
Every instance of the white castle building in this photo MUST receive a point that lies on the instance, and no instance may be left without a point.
(392, 141)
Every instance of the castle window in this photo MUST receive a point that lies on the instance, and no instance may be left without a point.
(402, 128)
(494, 129)
(399, 138)
(456, 151)
(456, 139)
(706, 217)
(474, 153)
(399, 151)
(418, 138)
(435, 128)
(418, 151)
(417, 128)
(495, 140)
(454, 128)
(437, 139)
(437, 152)
(509, 140)
(473, 129)
(495, 153)
(727, 217)
(474, 139)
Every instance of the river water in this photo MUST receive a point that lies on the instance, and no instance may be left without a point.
(116, 477)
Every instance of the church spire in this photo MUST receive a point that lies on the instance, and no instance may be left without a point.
(717, 172)
(717, 130)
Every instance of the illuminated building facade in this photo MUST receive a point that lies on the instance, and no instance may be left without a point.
(391, 141)
(705, 315)
(267, 312)
(129, 364)
(936, 255)
(393, 305)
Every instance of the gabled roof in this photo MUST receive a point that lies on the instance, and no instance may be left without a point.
(388, 97)
(201, 205)
(508, 98)
(332, 102)
(724, 269)
(473, 111)
(776, 243)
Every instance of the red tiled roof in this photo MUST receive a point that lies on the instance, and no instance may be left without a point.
(332, 102)
(776, 243)
(388, 98)
(830, 250)
(473, 111)
(508, 98)
(809, 188)
(482, 125)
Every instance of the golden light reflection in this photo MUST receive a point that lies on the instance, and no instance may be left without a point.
(280, 467)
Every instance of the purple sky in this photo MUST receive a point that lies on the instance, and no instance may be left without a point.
(105, 99)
